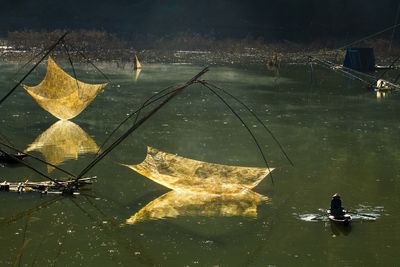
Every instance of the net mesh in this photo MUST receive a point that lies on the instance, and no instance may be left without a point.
(183, 174)
(61, 94)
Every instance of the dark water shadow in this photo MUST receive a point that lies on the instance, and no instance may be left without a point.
(340, 229)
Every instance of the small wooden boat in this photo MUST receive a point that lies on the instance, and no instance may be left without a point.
(11, 158)
(344, 219)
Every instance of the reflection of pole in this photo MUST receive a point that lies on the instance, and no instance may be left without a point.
(38, 159)
(33, 68)
(33, 168)
(312, 69)
(394, 29)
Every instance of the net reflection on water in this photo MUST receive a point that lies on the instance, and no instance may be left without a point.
(174, 204)
(62, 141)
(198, 188)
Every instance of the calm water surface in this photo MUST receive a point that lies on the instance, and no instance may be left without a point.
(340, 137)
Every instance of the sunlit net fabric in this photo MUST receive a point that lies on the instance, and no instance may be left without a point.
(174, 204)
(183, 174)
(63, 140)
(136, 74)
(136, 64)
(62, 95)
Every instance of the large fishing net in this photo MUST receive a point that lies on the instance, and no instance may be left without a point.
(62, 95)
(183, 174)
(63, 140)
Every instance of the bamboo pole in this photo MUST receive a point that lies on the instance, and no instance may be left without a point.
(33, 68)
(139, 123)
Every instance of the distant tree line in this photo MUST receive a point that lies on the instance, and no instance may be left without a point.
(273, 20)
(84, 40)
(94, 40)
(102, 45)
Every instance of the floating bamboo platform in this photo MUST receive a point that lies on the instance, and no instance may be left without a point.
(47, 187)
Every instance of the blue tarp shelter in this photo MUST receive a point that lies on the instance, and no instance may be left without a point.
(362, 59)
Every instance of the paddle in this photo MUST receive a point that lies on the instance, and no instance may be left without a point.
(362, 214)
(318, 217)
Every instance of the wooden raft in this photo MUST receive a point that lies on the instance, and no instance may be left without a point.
(47, 187)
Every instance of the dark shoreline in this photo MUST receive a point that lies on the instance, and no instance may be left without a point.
(192, 57)
(189, 48)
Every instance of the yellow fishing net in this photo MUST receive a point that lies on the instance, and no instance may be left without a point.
(136, 63)
(174, 204)
(62, 95)
(63, 140)
(136, 74)
(183, 174)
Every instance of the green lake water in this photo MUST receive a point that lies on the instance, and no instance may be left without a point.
(340, 137)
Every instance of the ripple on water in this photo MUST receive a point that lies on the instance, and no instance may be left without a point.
(364, 213)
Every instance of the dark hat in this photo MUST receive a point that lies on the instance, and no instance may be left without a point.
(336, 195)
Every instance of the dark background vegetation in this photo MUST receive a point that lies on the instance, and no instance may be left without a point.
(295, 20)
(234, 30)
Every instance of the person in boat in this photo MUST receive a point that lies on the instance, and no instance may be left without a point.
(336, 206)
